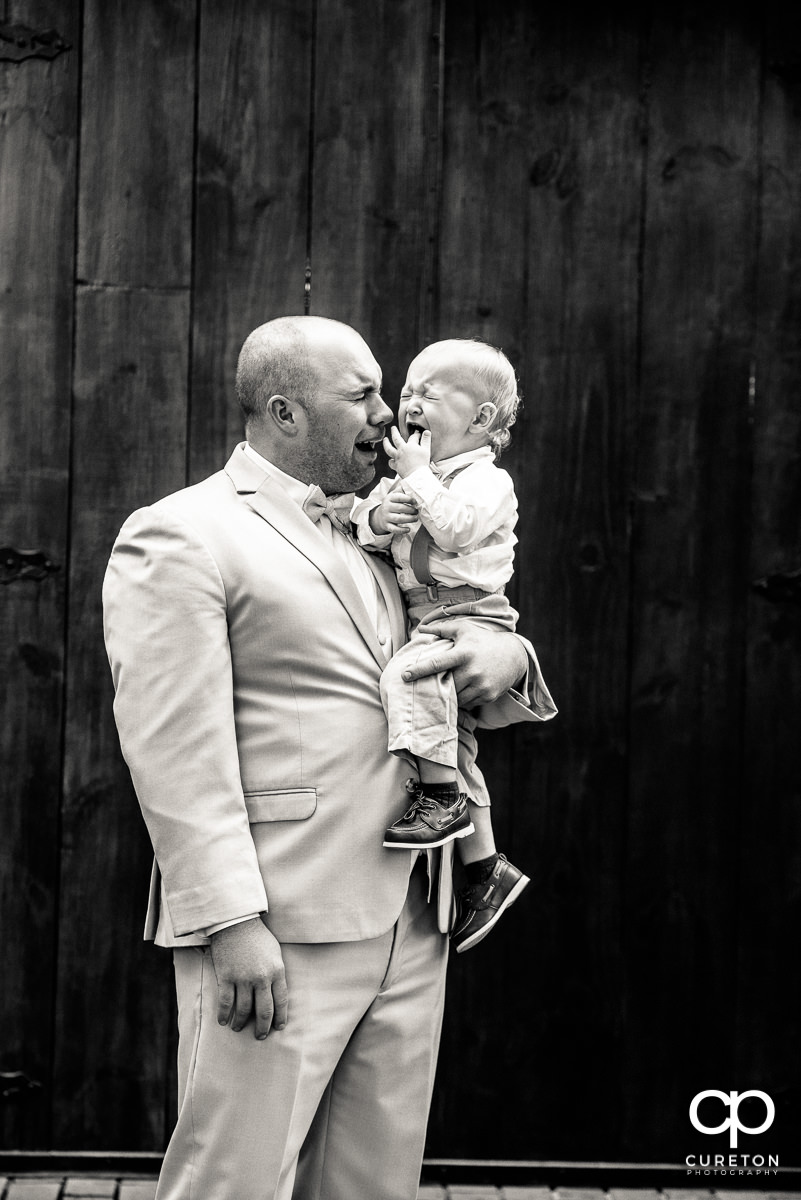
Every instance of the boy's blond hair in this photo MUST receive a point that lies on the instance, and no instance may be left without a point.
(497, 375)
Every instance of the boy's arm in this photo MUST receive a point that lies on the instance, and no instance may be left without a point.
(480, 500)
(360, 516)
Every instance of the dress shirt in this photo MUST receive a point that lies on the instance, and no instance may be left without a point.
(343, 545)
(471, 521)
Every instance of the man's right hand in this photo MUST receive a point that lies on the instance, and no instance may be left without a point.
(250, 977)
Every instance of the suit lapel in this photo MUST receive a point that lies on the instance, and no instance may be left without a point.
(267, 498)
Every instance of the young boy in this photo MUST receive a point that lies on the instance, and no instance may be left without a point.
(448, 518)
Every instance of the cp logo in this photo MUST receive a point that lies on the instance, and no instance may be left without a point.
(733, 1122)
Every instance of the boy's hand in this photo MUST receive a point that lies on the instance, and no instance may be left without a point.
(394, 514)
(405, 457)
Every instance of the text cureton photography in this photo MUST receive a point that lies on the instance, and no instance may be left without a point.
(732, 1164)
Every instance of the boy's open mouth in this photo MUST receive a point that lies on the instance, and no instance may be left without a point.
(411, 428)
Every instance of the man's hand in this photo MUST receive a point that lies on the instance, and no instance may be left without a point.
(405, 457)
(394, 514)
(250, 977)
(485, 663)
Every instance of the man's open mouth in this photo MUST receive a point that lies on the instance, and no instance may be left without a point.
(368, 447)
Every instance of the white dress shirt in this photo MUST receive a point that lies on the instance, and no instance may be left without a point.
(471, 521)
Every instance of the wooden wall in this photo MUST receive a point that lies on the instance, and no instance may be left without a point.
(612, 198)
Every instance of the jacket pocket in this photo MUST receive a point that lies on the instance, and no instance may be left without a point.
(283, 805)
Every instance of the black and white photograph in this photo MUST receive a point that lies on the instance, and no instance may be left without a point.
(400, 620)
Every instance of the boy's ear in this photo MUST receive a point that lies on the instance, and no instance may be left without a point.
(485, 415)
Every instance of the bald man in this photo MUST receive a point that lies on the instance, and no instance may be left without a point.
(247, 633)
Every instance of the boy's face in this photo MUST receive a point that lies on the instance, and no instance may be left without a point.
(442, 394)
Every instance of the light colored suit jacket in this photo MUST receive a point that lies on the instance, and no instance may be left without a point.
(246, 671)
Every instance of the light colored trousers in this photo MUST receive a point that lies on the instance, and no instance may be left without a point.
(335, 1106)
(423, 716)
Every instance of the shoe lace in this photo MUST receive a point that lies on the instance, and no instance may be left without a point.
(421, 805)
(474, 895)
(421, 802)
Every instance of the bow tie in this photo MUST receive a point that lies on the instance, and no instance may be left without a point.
(337, 508)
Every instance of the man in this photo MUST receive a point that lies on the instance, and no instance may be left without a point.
(246, 634)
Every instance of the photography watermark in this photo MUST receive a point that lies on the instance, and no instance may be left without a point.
(732, 1164)
(733, 1123)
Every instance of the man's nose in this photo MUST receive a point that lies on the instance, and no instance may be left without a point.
(380, 413)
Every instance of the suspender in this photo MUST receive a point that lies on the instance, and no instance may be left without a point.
(418, 556)
(423, 541)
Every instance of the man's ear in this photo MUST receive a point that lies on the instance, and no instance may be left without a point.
(485, 415)
(283, 415)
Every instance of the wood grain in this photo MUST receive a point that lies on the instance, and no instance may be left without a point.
(38, 141)
(114, 991)
(690, 574)
(137, 104)
(252, 190)
(375, 154)
(768, 974)
(541, 196)
(113, 1002)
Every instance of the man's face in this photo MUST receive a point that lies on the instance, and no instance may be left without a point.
(346, 418)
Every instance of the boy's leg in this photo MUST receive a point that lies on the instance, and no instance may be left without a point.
(422, 718)
(493, 883)
(480, 905)
(435, 814)
(434, 772)
(421, 715)
(481, 843)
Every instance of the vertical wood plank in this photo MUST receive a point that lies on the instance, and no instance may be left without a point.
(114, 993)
(38, 139)
(541, 207)
(376, 148)
(490, 82)
(576, 468)
(769, 977)
(691, 568)
(138, 88)
(129, 447)
(252, 188)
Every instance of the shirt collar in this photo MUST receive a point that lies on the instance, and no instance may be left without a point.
(296, 489)
(446, 466)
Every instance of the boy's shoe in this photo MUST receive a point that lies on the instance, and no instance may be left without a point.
(428, 823)
(481, 904)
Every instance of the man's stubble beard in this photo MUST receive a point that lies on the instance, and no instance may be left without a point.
(322, 465)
